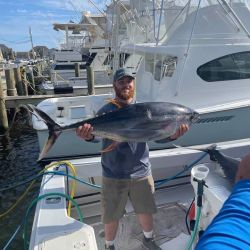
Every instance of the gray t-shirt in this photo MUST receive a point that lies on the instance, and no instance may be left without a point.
(127, 160)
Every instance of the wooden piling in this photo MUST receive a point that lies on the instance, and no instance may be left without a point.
(24, 81)
(18, 80)
(31, 81)
(10, 82)
(3, 114)
(90, 80)
(77, 69)
(35, 70)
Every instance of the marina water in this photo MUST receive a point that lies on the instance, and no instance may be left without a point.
(18, 155)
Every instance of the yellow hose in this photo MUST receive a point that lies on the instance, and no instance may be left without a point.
(32, 183)
(74, 181)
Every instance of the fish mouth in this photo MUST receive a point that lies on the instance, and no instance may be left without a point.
(194, 117)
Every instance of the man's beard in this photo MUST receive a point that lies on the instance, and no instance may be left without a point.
(124, 95)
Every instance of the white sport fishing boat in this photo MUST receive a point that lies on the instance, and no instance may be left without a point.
(56, 224)
(80, 48)
(201, 61)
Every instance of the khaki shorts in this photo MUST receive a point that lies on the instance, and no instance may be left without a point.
(115, 193)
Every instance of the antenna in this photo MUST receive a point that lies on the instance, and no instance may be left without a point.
(33, 52)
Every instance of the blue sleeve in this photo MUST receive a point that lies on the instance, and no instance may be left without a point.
(230, 229)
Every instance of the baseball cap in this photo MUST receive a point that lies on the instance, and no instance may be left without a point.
(123, 72)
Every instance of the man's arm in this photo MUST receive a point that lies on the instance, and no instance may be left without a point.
(85, 132)
(181, 131)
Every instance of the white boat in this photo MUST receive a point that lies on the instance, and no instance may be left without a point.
(66, 77)
(202, 62)
(184, 69)
(53, 228)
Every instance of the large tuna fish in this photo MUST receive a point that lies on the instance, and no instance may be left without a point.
(140, 122)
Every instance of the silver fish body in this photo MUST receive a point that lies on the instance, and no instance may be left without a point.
(139, 122)
(142, 122)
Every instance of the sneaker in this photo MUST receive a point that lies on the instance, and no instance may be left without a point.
(112, 247)
(150, 243)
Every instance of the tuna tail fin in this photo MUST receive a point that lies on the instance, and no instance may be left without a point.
(49, 143)
(54, 129)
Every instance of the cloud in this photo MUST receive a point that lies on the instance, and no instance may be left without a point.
(21, 11)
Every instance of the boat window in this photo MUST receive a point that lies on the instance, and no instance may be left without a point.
(160, 66)
(78, 112)
(68, 66)
(91, 58)
(108, 60)
(169, 66)
(230, 67)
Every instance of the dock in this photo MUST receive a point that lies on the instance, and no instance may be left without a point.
(15, 101)
(18, 87)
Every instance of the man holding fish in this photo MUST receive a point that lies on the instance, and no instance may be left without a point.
(126, 169)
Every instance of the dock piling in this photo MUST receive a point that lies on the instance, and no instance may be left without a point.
(90, 79)
(10, 82)
(31, 80)
(24, 81)
(3, 114)
(18, 79)
(77, 69)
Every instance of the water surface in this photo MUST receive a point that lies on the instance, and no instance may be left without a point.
(18, 154)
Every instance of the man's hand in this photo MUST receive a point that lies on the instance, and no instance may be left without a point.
(243, 169)
(181, 131)
(85, 132)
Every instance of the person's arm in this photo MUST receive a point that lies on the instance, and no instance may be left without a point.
(85, 132)
(243, 169)
(181, 131)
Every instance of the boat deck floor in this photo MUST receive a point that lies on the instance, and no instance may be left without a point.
(169, 222)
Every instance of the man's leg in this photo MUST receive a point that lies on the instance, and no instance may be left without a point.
(114, 198)
(110, 233)
(145, 208)
(110, 230)
(146, 221)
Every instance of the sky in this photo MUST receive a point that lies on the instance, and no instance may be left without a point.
(16, 16)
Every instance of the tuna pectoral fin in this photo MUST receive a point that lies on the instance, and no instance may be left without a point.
(50, 142)
(109, 148)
